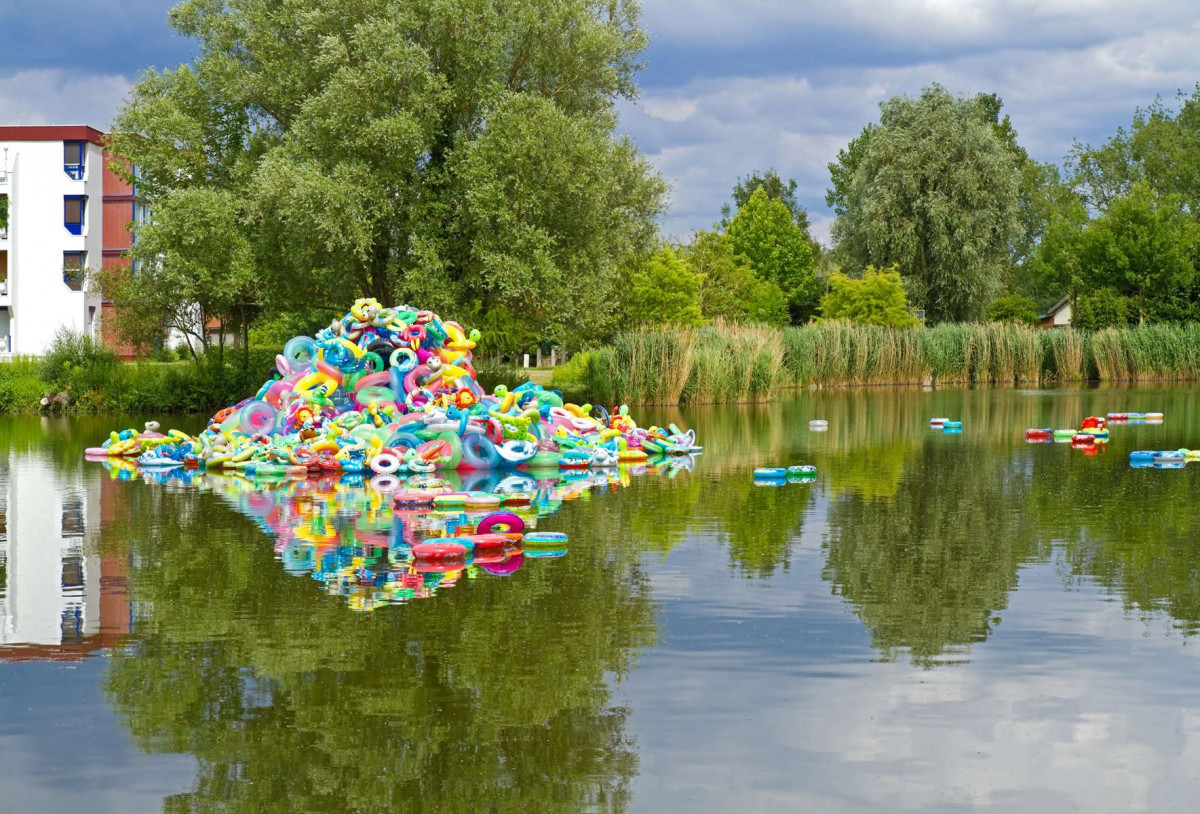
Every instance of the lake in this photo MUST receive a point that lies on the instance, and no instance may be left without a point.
(939, 622)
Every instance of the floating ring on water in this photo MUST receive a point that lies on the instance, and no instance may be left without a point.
(385, 464)
(545, 538)
(500, 522)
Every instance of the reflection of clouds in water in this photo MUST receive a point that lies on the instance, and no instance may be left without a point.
(1071, 705)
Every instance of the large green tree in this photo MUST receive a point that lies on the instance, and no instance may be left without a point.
(933, 187)
(439, 152)
(1141, 247)
(764, 232)
(731, 289)
(776, 188)
(1160, 149)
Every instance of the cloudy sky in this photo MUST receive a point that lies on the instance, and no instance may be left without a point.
(731, 85)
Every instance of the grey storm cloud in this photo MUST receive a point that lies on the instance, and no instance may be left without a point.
(730, 85)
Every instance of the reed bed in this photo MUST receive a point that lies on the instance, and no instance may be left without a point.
(728, 362)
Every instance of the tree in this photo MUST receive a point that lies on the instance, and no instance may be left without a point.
(442, 153)
(1103, 308)
(876, 298)
(933, 188)
(1142, 248)
(777, 190)
(196, 266)
(1013, 308)
(731, 289)
(664, 290)
(763, 231)
(1160, 150)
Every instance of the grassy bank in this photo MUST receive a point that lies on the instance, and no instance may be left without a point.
(180, 387)
(725, 362)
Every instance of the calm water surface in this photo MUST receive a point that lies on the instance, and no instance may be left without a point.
(938, 623)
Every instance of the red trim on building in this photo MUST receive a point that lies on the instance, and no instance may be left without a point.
(51, 132)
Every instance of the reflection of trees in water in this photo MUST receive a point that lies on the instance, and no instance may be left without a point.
(1136, 533)
(926, 534)
(928, 570)
(491, 698)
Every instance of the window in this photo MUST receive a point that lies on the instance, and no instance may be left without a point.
(74, 264)
(73, 158)
(74, 208)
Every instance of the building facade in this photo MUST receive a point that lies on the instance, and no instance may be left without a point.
(67, 213)
(60, 596)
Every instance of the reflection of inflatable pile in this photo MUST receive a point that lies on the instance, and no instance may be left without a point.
(393, 390)
(347, 534)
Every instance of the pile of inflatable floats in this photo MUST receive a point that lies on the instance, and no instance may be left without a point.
(392, 393)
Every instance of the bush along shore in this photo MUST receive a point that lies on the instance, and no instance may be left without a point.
(729, 362)
(717, 363)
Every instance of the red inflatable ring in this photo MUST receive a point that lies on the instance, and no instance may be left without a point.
(489, 542)
(440, 550)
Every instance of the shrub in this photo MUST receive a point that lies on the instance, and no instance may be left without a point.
(1103, 308)
(877, 298)
(1013, 308)
(76, 362)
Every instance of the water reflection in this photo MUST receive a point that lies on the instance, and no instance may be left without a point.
(792, 641)
(345, 532)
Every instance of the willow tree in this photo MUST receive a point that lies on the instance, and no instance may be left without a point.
(933, 188)
(440, 151)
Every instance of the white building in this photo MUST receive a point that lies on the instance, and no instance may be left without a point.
(49, 578)
(58, 191)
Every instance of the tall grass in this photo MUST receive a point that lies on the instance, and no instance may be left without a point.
(728, 362)
(718, 363)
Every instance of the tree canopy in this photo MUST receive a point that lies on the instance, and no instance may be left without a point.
(763, 231)
(934, 188)
(444, 153)
(664, 289)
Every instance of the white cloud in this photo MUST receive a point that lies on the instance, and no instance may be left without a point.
(770, 705)
(669, 110)
(918, 24)
(60, 97)
(798, 122)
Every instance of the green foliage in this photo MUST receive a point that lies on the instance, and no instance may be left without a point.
(1161, 150)
(663, 290)
(572, 374)
(1103, 308)
(4, 211)
(439, 153)
(777, 190)
(934, 188)
(196, 264)
(504, 331)
(764, 232)
(21, 385)
(1013, 308)
(1141, 247)
(731, 289)
(75, 362)
(876, 298)
(489, 374)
